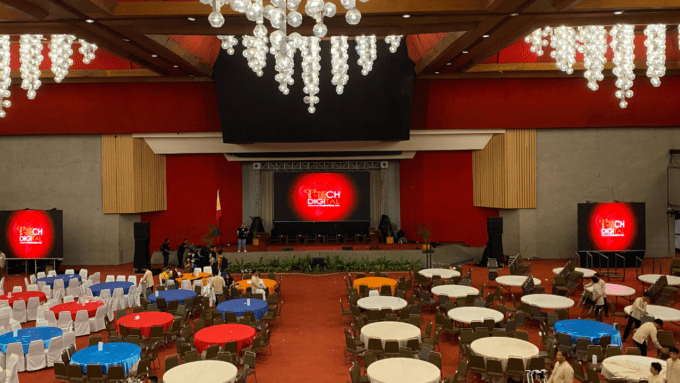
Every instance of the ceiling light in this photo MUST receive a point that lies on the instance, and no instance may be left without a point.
(191, 19)
(618, 12)
(126, 40)
(514, 14)
(89, 21)
(154, 55)
(485, 36)
(448, 63)
(436, 72)
(407, 16)
(175, 66)
(465, 52)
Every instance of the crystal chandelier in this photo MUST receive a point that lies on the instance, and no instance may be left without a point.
(30, 58)
(283, 46)
(591, 41)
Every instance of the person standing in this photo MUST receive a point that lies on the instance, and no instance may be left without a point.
(655, 376)
(638, 309)
(3, 258)
(165, 248)
(218, 284)
(563, 372)
(598, 295)
(673, 366)
(147, 280)
(180, 252)
(242, 233)
(647, 330)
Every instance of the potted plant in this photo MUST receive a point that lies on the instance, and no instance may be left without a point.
(425, 232)
(390, 232)
(209, 239)
(256, 226)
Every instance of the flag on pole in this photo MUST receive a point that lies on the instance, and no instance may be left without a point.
(219, 207)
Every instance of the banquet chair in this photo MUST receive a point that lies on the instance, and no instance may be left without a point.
(16, 349)
(60, 371)
(53, 352)
(96, 278)
(32, 308)
(582, 345)
(12, 372)
(613, 350)
(595, 350)
(110, 278)
(515, 367)
(523, 335)
(94, 373)
(32, 288)
(75, 373)
(633, 351)
(58, 290)
(52, 273)
(186, 284)
(70, 271)
(69, 299)
(116, 374)
(434, 341)
(65, 323)
(41, 274)
(391, 349)
(120, 313)
(133, 279)
(191, 356)
(118, 298)
(47, 291)
(26, 282)
(120, 278)
(593, 376)
(17, 289)
(35, 359)
(82, 323)
(83, 274)
(50, 318)
(157, 335)
(73, 288)
(19, 311)
(69, 341)
(40, 320)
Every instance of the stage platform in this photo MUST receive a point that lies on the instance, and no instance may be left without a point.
(452, 254)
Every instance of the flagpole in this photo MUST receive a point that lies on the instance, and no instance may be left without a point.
(219, 224)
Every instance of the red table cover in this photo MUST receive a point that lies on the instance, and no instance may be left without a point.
(223, 333)
(24, 297)
(146, 321)
(74, 307)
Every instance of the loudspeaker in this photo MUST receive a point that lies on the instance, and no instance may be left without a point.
(142, 230)
(318, 261)
(494, 225)
(286, 249)
(348, 248)
(142, 254)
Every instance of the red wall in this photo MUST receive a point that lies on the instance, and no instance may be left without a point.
(192, 184)
(436, 187)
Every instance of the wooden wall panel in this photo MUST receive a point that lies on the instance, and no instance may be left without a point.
(504, 172)
(133, 176)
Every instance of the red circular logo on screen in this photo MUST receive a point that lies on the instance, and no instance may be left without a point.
(612, 226)
(30, 234)
(323, 197)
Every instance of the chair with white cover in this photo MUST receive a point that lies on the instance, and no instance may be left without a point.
(132, 297)
(35, 359)
(69, 339)
(120, 278)
(70, 271)
(17, 289)
(52, 273)
(65, 323)
(2, 286)
(133, 279)
(109, 308)
(33, 279)
(52, 302)
(41, 274)
(51, 319)
(11, 375)
(41, 285)
(58, 289)
(10, 323)
(54, 350)
(32, 308)
(32, 288)
(4, 322)
(119, 298)
(87, 292)
(207, 269)
(73, 288)
(4, 303)
(110, 278)
(26, 282)
(83, 274)
(82, 323)
(19, 311)
(199, 282)
(186, 284)
(69, 299)
(16, 349)
(197, 270)
(97, 323)
(40, 320)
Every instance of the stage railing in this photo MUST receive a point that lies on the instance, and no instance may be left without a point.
(654, 261)
(609, 273)
(641, 264)
(590, 263)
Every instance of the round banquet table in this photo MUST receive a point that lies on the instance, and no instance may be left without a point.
(145, 320)
(651, 278)
(444, 273)
(172, 295)
(615, 290)
(112, 354)
(587, 273)
(548, 301)
(666, 314)
(581, 328)
(23, 296)
(399, 370)
(515, 280)
(377, 303)
(49, 281)
(27, 335)
(503, 348)
(375, 283)
(455, 291)
(385, 331)
(223, 333)
(97, 289)
(73, 307)
(630, 367)
(240, 306)
(192, 277)
(203, 371)
(269, 283)
(469, 314)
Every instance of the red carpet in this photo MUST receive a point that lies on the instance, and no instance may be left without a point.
(308, 344)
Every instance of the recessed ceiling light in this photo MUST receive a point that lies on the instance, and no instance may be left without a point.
(465, 52)
(448, 63)
(436, 72)
(175, 66)
(514, 14)
(89, 21)
(618, 12)
(154, 55)
(500, 71)
(126, 40)
(407, 16)
(485, 36)
(191, 19)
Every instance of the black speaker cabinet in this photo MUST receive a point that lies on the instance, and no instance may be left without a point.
(348, 248)
(142, 230)
(494, 225)
(320, 261)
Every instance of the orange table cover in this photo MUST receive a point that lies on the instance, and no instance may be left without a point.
(374, 283)
(192, 277)
(243, 285)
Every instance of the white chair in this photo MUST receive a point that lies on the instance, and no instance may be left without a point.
(2, 286)
(11, 374)
(65, 323)
(17, 289)
(73, 288)
(53, 352)
(82, 323)
(109, 308)
(197, 270)
(186, 284)
(32, 308)
(97, 323)
(110, 278)
(41, 274)
(4, 303)
(35, 359)
(19, 311)
(10, 323)
(32, 288)
(69, 339)
(4, 322)
(83, 274)
(120, 278)
(130, 297)
(105, 295)
(16, 349)
(26, 282)
(52, 273)
(51, 319)
(52, 302)
(96, 278)
(69, 299)
(41, 284)
(207, 269)
(47, 291)
(373, 293)
(133, 279)
(87, 292)
(40, 320)
(119, 298)
(58, 289)
(33, 279)
(70, 271)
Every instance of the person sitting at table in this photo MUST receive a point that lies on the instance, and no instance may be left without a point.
(165, 275)
(638, 309)
(563, 372)
(228, 280)
(256, 284)
(673, 366)
(647, 330)
(655, 376)
(189, 263)
(147, 280)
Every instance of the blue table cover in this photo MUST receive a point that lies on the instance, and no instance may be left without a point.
(97, 289)
(66, 277)
(581, 328)
(113, 354)
(239, 306)
(173, 295)
(27, 335)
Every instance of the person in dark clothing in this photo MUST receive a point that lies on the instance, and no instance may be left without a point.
(242, 233)
(165, 248)
(180, 252)
(222, 261)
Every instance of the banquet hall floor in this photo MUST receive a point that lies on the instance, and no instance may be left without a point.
(307, 345)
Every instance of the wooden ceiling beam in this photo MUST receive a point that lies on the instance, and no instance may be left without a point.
(170, 50)
(30, 10)
(563, 5)
(104, 76)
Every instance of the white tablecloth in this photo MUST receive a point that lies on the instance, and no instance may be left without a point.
(615, 290)
(651, 278)
(394, 303)
(455, 291)
(402, 370)
(548, 301)
(515, 280)
(666, 314)
(587, 273)
(389, 331)
(444, 273)
(630, 367)
(468, 314)
(203, 371)
(502, 348)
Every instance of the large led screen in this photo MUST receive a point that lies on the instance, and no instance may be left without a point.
(614, 226)
(321, 197)
(32, 234)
